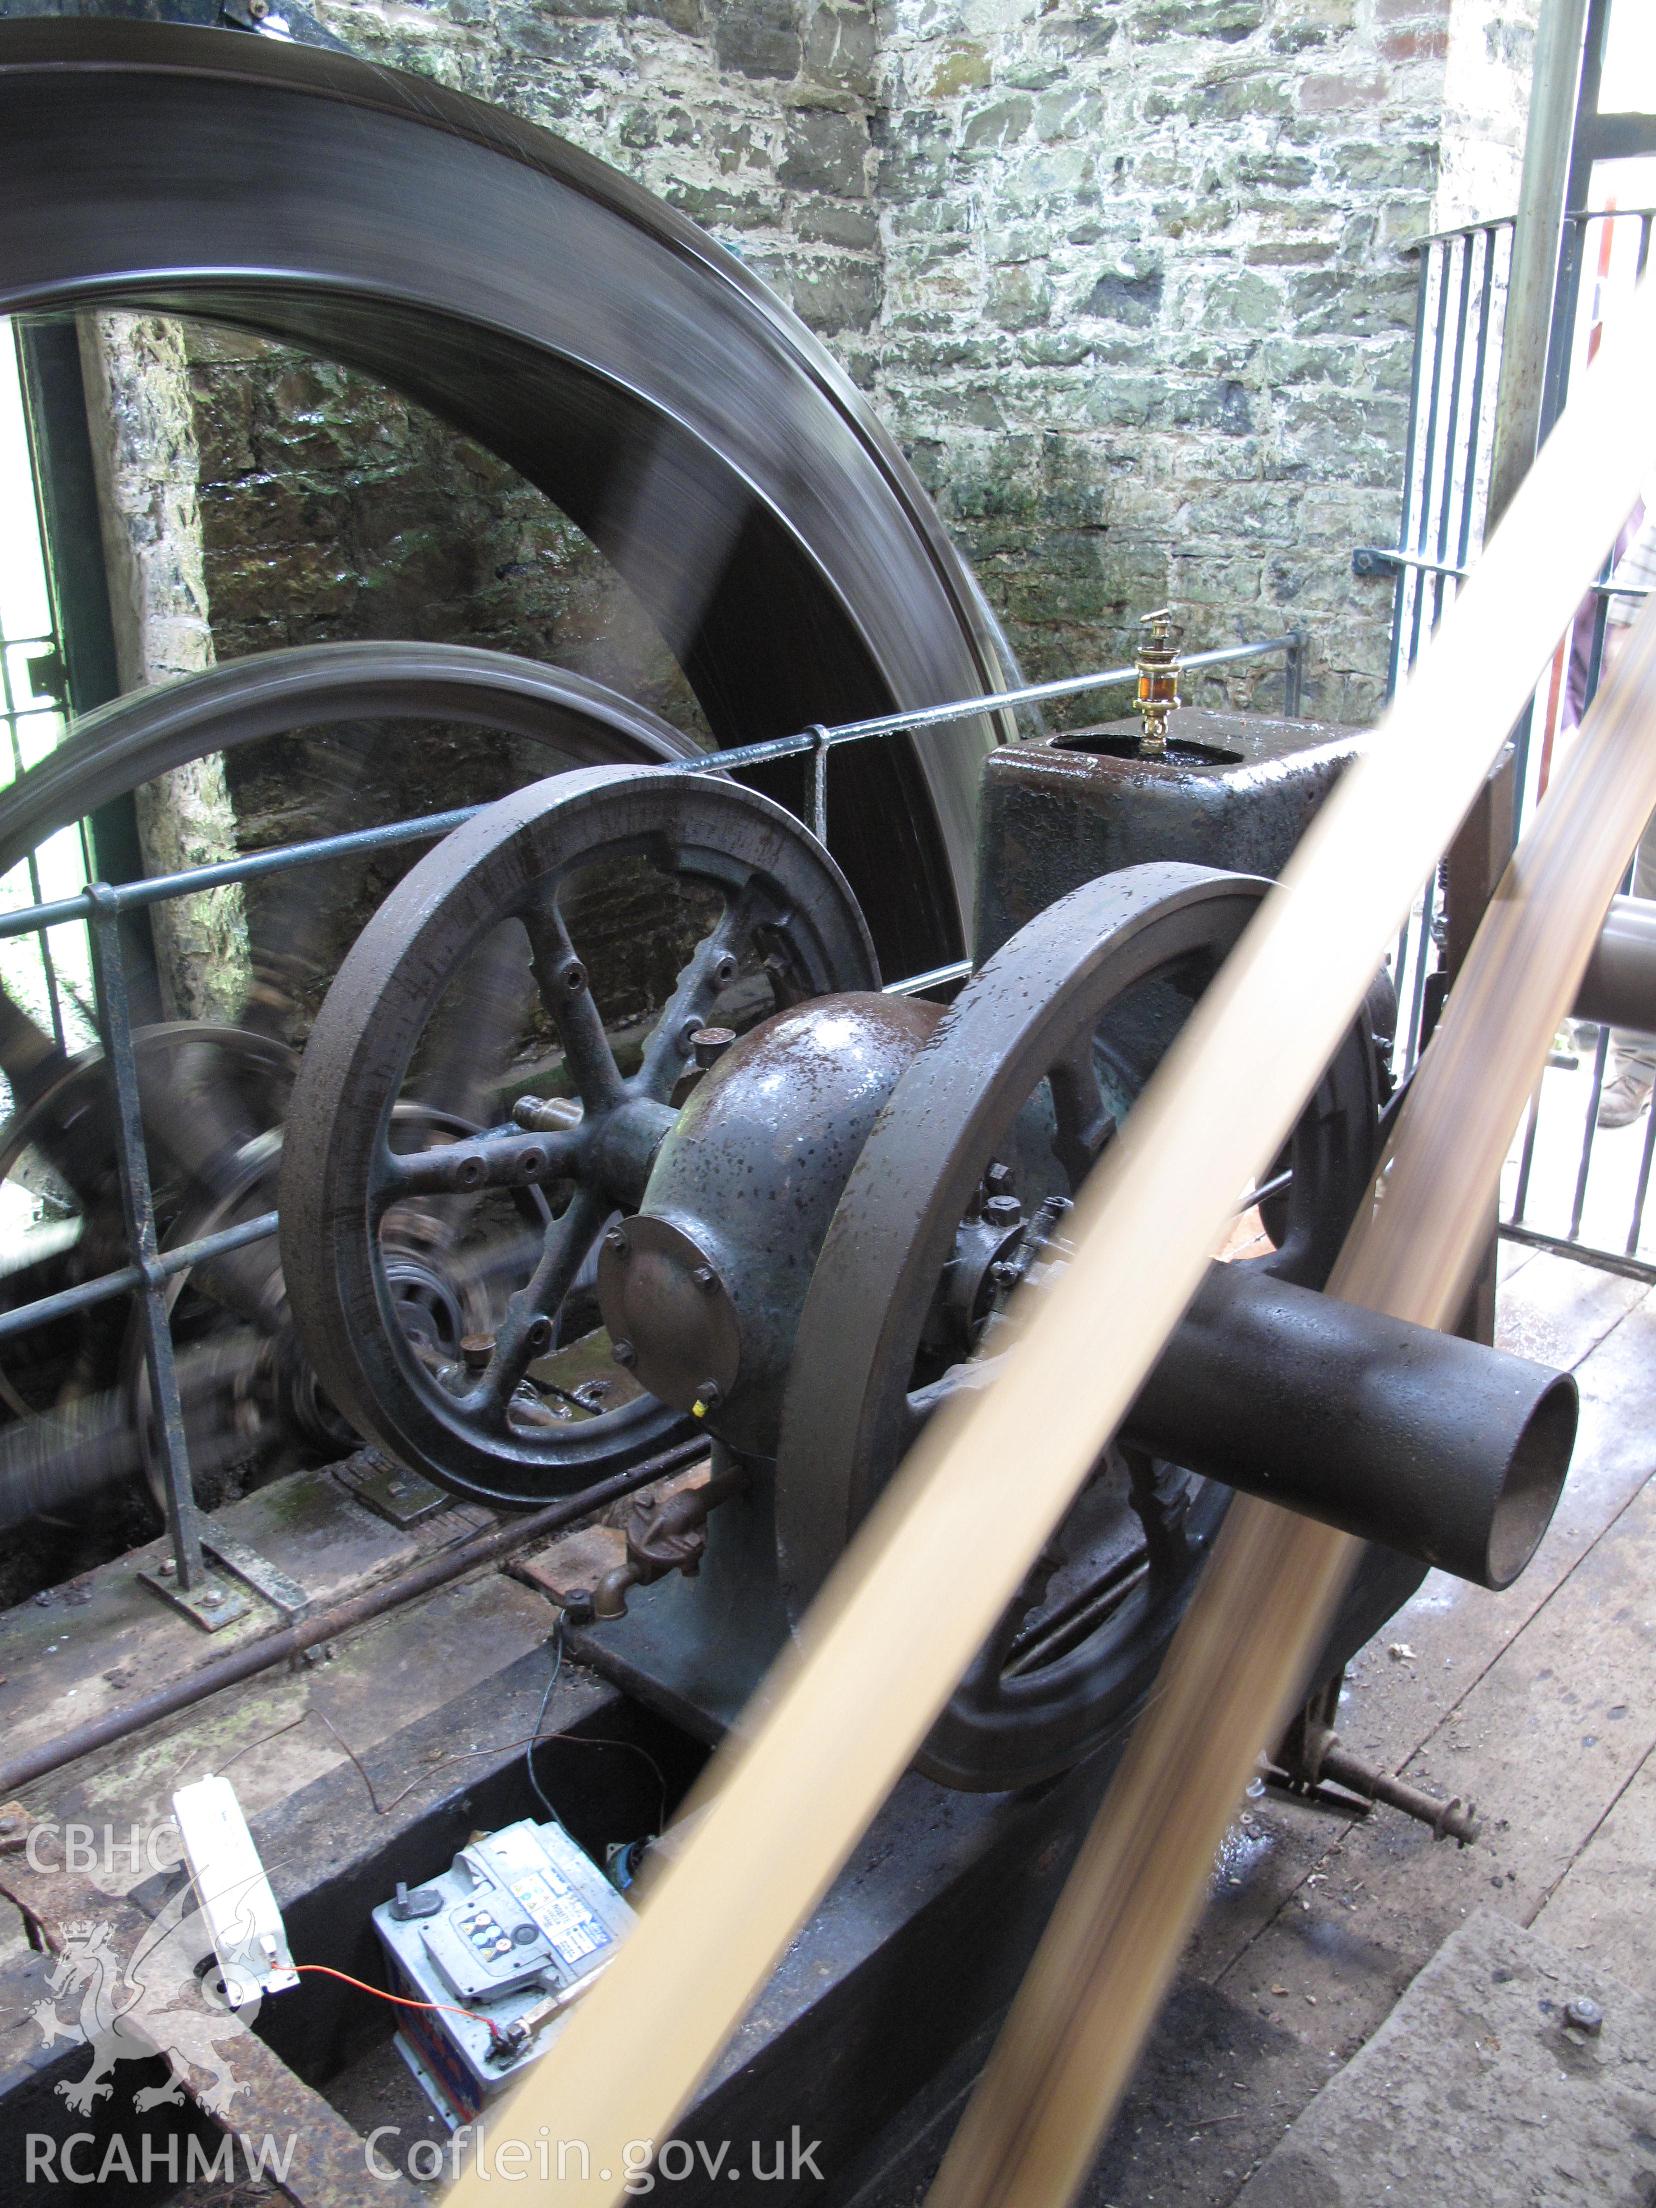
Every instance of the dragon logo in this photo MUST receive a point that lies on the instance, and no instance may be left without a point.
(155, 2001)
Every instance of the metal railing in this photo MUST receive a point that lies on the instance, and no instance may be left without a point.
(1459, 320)
(146, 1276)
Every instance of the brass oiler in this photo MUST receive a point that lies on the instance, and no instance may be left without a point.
(1158, 679)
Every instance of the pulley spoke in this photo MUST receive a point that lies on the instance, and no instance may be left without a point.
(498, 1158)
(711, 967)
(564, 990)
(527, 1331)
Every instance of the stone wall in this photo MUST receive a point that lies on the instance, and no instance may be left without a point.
(1148, 313)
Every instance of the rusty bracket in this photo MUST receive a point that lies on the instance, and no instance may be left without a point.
(224, 2067)
(1310, 1759)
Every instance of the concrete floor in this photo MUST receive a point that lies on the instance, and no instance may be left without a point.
(1537, 1705)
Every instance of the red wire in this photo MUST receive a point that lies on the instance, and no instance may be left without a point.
(402, 2000)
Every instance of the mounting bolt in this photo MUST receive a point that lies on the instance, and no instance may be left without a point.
(168, 1568)
(705, 1277)
(623, 1353)
(615, 1240)
(1584, 2015)
(709, 1044)
(211, 1599)
(998, 1178)
(1004, 1273)
(1005, 1211)
(709, 1395)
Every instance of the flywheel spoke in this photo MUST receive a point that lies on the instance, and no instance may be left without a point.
(711, 967)
(528, 1329)
(567, 996)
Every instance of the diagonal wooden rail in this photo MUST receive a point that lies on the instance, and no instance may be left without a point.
(920, 1588)
(1239, 1659)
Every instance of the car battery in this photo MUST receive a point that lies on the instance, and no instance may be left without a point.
(512, 1933)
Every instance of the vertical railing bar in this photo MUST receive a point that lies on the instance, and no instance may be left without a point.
(138, 1204)
(1293, 676)
(1417, 995)
(1474, 426)
(1399, 589)
(1520, 1193)
(1636, 1229)
(1463, 317)
(1428, 467)
(1601, 1054)
(817, 783)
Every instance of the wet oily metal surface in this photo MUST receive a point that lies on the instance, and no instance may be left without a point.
(741, 1192)
(1237, 790)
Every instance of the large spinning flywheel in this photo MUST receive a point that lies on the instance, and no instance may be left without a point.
(806, 1233)
(214, 1097)
(659, 394)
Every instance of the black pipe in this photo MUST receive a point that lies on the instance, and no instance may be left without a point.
(1619, 987)
(327, 1625)
(1449, 1451)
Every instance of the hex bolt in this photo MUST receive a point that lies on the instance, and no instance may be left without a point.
(211, 1599)
(1004, 1211)
(573, 977)
(623, 1353)
(1584, 2015)
(616, 1241)
(476, 1350)
(998, 1178)
(708, 1044)
(168, 1568)
(705, 1277)
(709, 1395)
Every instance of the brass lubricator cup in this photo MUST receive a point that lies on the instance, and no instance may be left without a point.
(1158, 679)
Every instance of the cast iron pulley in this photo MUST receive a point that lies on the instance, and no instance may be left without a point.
(959, 1192)
(772, 922)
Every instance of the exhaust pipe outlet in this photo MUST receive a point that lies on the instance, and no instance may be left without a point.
(1451, 1452)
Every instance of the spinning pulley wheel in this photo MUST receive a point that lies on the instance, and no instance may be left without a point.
(781, 926)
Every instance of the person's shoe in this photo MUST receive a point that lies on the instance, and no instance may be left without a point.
(1623, 1099)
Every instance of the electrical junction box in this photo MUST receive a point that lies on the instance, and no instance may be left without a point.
(515, 1929)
